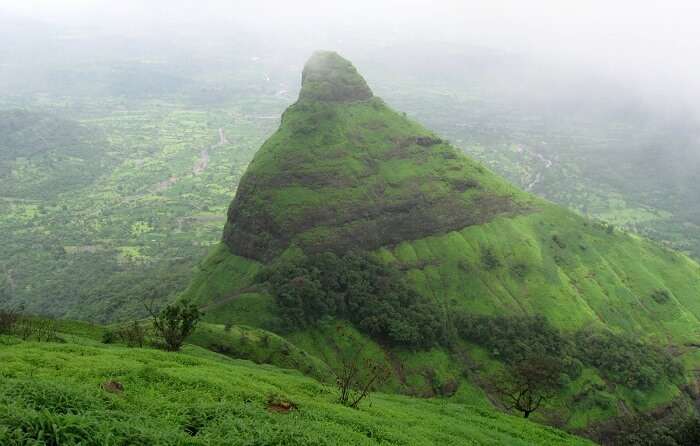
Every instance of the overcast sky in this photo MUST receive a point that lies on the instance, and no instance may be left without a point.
(654, 43)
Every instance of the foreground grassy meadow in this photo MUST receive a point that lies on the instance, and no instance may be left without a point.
(56, 394)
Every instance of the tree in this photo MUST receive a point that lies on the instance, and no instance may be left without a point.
(134, 335)
(358, 288)
(529, 384)
(9, 318)
(357, 374)
(175, 323)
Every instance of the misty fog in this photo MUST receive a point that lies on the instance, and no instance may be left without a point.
(646, 45)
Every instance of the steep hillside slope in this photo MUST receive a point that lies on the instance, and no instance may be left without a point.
(199, 398)
(344, 172)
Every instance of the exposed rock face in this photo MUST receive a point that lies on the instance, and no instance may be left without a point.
(344, 172)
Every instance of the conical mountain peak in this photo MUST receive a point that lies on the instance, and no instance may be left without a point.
(344, 172)
(329, 77)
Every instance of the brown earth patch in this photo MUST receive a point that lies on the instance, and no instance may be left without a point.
(278, 405)
(112, 386)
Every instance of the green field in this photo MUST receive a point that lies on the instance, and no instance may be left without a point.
(53, 393)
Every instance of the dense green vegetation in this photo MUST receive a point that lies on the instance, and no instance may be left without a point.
(625, 360)
(125, 224)
(618, 357)
(357, 288)
(83, 392)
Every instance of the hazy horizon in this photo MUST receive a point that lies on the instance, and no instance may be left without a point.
(645, 43)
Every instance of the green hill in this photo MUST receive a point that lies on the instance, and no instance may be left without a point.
(346, 173)
(83, 392)
(42, 155)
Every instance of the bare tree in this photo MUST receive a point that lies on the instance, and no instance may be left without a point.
(357, 374)
(529, 384)
(133, 334)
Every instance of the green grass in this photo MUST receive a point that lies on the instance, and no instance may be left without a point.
(52, 394)
(555, 263)
(261, 347)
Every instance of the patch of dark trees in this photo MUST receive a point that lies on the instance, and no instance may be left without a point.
(358, 288)
(620, 358)
(673, 426)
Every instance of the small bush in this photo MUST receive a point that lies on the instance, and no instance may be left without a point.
(8, 320)
(357, 373)
(661, 296)
(489, 259)
(519, 270)
(558, 241)
(108, 337)
(133, 334)
(175, 323)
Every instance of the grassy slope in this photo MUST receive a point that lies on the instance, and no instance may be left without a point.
(565, 267)
(52, 392)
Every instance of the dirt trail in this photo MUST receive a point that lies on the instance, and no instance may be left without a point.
(201, 163)
(203, 160)
(222, 137)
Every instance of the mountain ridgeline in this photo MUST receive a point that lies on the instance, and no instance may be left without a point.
(348, 178)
